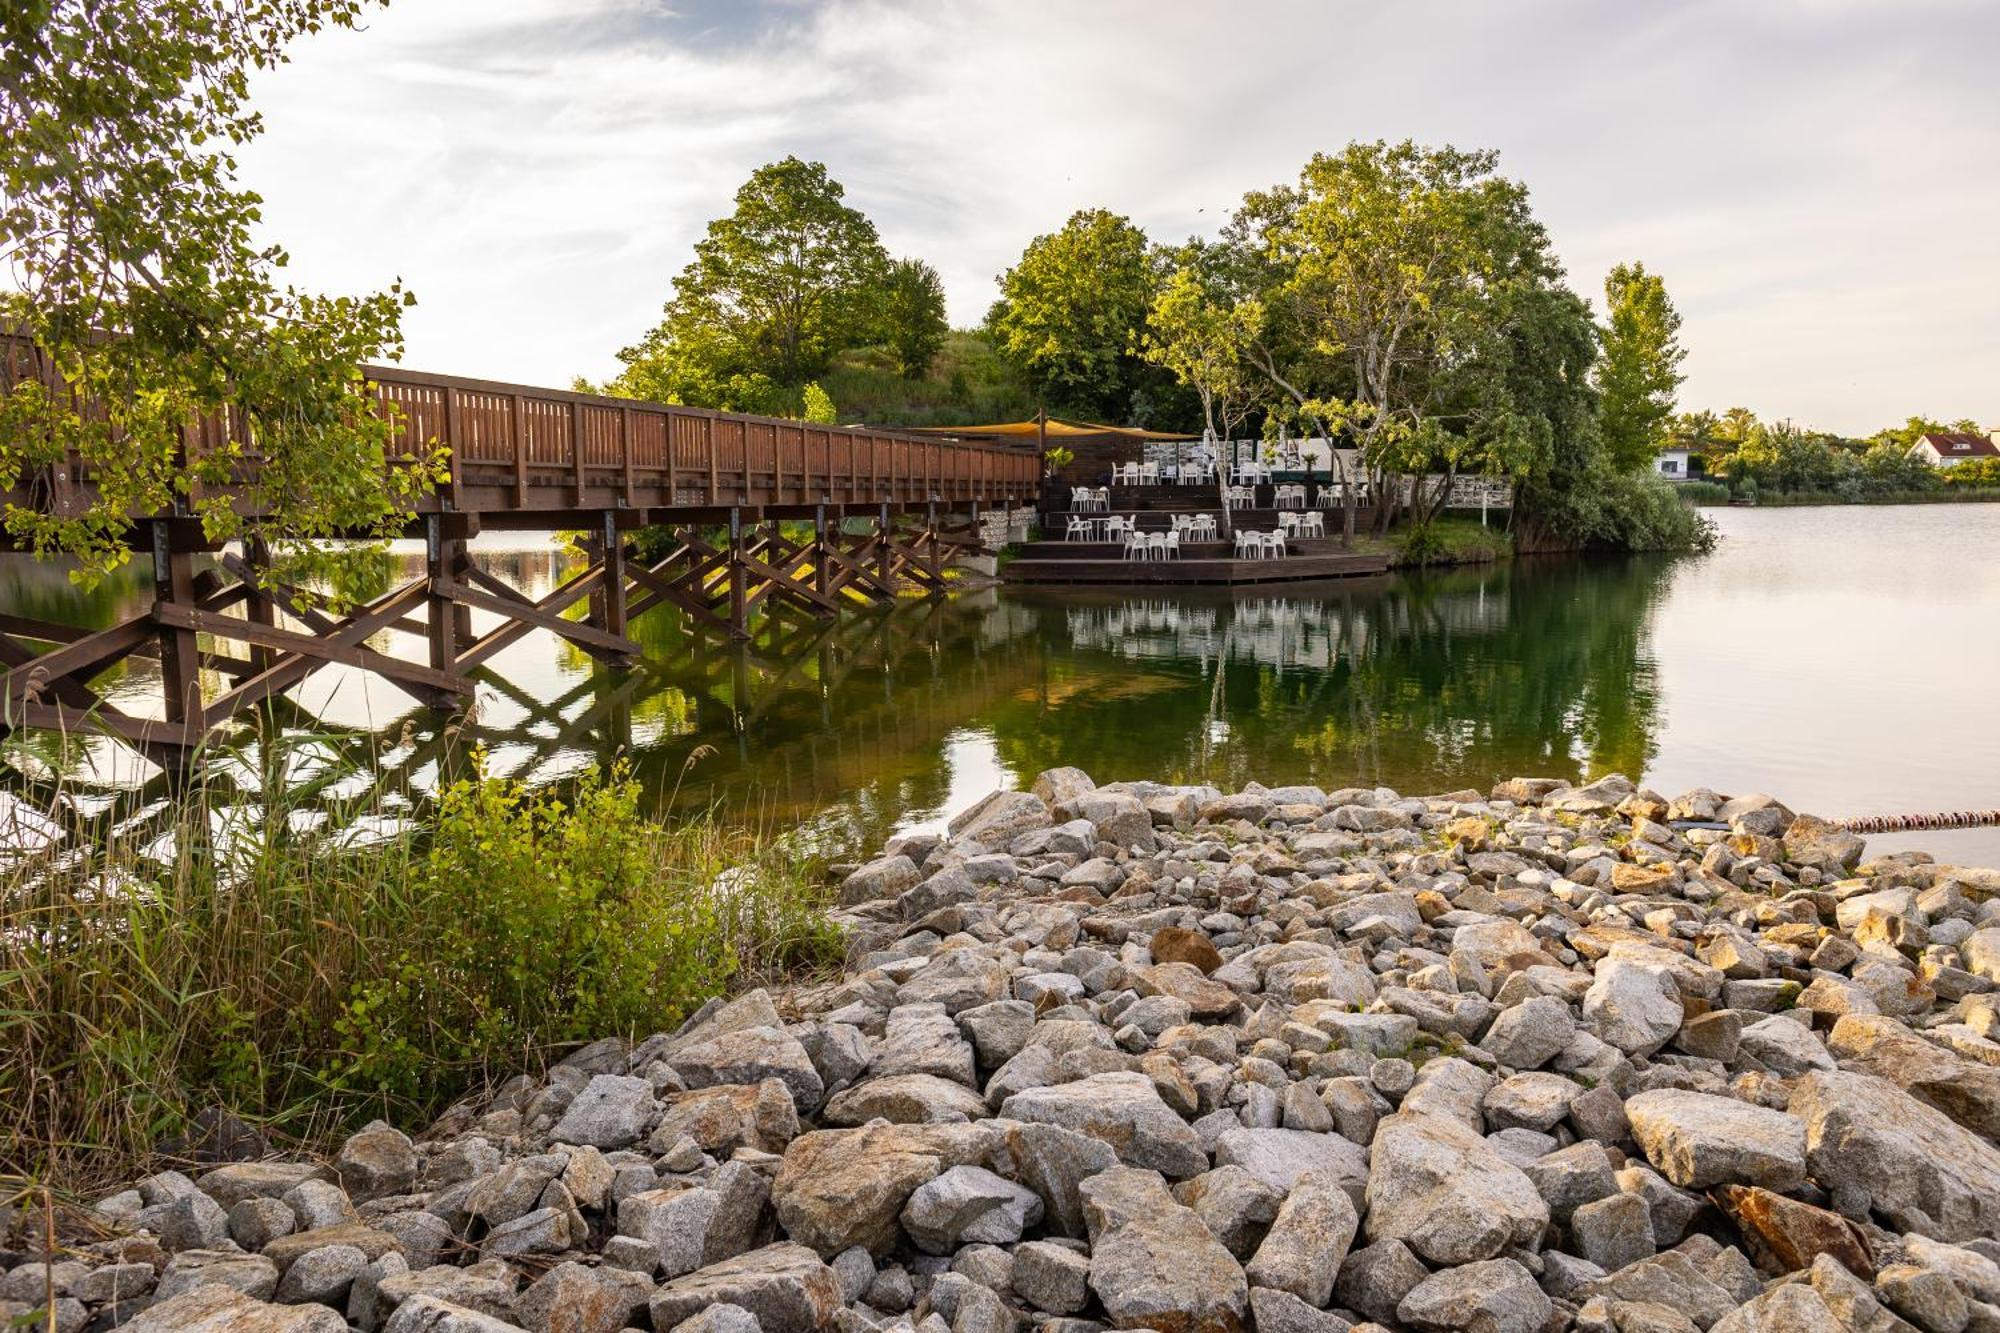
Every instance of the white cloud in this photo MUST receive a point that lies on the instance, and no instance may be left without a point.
(1811, 175)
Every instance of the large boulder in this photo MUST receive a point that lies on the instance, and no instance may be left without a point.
(1915, 1165)
(785, 1286)
(220, 1309)
(1494, 1296)
(1000, 818)
(1633, 1006)
(1876, 1044)
(1697, 1140)
(838, 1188)
(1122, 1109)
(1445, 1192)
(1152, 1262)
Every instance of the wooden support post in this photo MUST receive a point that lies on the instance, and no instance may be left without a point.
(259, 605)
(441, 611)
(821, 567)
(613, 557)
(180, 658)
(882, 553)
(739, 613)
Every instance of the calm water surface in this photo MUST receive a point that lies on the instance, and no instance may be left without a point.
(1841, 658)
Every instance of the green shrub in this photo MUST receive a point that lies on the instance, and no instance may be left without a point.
(1704, 492)
(306, 982)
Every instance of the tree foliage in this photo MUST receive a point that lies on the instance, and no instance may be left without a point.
(913, 316)
(1201, 333)
(1394, 275)
(791, 277)
(136, 276)
(1639, 371)
(1072, 312)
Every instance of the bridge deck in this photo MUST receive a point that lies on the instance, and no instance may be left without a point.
(524, 458)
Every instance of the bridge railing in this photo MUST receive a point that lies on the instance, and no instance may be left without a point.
(516, 447)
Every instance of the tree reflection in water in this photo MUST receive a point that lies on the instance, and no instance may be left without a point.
(852, 729)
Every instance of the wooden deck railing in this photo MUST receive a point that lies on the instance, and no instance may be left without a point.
(519, 449)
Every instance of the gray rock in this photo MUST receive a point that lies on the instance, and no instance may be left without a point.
(252, 1274)
(785, 1286)
(1123, 1110)
(1304, 1250)
(1054, 1162)
(1492, 1296)
(1051, 1277)
(1279, 1157)
(1613, 1232)
(194, 1222)
(612, 1111)
(322, 1276)
(969, 1204)
(1913, 1163)
(675, 1221)
(1634, 1006)
(429, 1314)
(1531, 1033)
(1697, 1140)
(1374, 1279)
(376, 1162)
(1437, 1186)
(1153, 1264)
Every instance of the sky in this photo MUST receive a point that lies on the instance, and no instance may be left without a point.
(1815, 179)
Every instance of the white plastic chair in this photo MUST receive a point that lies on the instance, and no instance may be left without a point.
(1170, 545)
(1135, 545)
(1274, 545)
(1079, 529)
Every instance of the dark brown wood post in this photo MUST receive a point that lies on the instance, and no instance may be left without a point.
(440, 618)
(821, 571)
(259, 607)
(180, 657)
(882, 550)
(739, 615)
(613, 555)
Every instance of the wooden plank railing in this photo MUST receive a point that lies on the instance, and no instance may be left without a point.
(521, 448)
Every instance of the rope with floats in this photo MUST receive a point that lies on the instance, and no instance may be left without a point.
(1944, 819)
(1911, 823)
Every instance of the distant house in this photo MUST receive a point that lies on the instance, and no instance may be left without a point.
(1672, 462)
(1949, 448)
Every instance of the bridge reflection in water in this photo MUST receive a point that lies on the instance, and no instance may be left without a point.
(854, 727)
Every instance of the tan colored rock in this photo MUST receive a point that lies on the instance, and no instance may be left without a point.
(842, 1187)
(1785, 1235)
(1172, 944)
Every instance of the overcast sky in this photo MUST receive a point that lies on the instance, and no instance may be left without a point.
(1816, 179)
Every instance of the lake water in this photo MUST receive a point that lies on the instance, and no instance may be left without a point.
(1842, 658)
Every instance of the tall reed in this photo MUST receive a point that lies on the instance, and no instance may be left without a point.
(260, 956)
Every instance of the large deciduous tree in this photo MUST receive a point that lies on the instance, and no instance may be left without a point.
(913, 316)
(1639, 371)
(1072, 310)
(775, 289)
(1392, 273)
(137, 277)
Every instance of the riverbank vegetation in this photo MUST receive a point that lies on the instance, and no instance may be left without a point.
(1401, 301)
(290, 972)
(1778, 462)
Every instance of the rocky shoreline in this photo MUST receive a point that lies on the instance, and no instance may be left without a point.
(1139, 1056)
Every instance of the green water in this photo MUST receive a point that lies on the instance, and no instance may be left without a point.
(1817, 655)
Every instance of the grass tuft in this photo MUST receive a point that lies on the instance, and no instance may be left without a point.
(275, 965)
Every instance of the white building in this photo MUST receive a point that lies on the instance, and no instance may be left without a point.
(1672, 463)
(1952, 447)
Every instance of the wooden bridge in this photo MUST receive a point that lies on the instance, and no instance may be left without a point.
(887, 512)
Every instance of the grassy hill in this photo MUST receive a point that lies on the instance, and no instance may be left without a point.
(968, 383)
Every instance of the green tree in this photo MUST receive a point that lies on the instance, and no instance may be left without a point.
(1199, 332)
(1907, 434)
(1639, 371)
(1390, 272)
(775, 289)
(150, 306)
(1072, 311)
(913, 318)
(818, 405)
